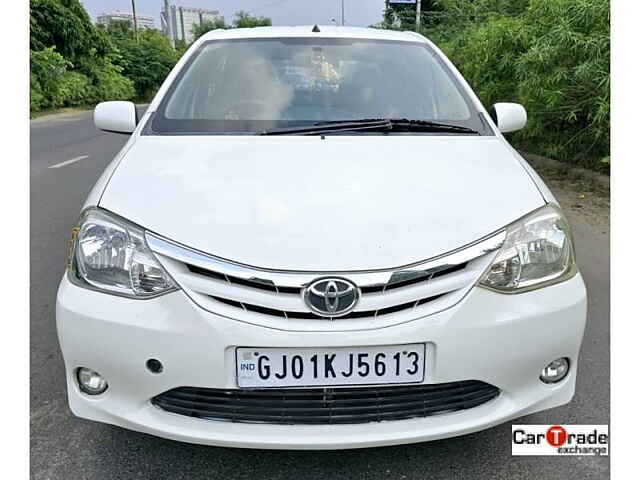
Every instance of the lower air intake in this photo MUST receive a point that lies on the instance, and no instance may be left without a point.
(324, 406)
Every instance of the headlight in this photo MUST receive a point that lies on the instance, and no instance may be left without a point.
(110, 254)
(537, 251)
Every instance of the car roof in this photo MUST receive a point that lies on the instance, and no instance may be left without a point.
(327, 31)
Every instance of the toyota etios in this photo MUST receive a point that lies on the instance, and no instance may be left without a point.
(318, 238)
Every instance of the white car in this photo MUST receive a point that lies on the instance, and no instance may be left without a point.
(318, 238)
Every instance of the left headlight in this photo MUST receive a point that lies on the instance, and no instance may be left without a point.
(537, 251)
(111, 255)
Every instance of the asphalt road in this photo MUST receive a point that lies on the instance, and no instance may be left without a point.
(65, 447)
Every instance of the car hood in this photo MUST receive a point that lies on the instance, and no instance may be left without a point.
(313, 204)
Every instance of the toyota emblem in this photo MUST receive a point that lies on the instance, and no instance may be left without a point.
(331, 297)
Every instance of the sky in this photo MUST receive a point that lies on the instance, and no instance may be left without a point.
(358, 13)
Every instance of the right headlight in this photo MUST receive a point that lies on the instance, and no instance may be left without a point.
(111, 255)
(537, 251)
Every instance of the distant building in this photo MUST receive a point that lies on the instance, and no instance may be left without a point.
(182, 20)
(143, 21)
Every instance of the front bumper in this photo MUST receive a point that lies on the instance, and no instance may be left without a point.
(504, 340)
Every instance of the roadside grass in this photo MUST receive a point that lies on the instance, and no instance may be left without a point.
(54, 111)
(580, 179)
(583, 194)
(78, 109)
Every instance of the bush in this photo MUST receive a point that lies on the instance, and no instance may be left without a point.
(206, 26)
(47, 69)
(36, 98)
(564, 79)
(67, 25)
(146, 62)
(53, 86)
(246, 20)
(112, 85)
(487, 56)
(75, 89)
(71, 59)
(74, 62)
(550, 55)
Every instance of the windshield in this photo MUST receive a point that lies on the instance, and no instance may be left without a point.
(245, 86)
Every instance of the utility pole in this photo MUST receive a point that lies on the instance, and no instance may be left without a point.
(342, 2)
(385, 15)
(167, 18)
(418, 15)
(135, 20)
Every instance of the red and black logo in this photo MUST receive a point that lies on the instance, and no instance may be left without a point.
(556, 436)
(560, 440)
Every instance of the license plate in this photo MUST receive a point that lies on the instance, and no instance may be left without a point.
(307, 367)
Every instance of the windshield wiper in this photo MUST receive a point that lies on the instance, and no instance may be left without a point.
(372, 124)
(329, 127)
(429, 126)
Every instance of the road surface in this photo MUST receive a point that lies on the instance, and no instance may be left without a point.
(67, 156)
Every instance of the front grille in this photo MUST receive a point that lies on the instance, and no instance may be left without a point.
(325, 406)
(396, 283)
(265, 296)
(310, 315)
(252, 283)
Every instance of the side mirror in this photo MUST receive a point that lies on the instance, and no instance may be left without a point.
(118, 117)
(509, 117)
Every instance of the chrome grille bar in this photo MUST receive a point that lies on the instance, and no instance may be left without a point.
(266, 296)
(294, 279)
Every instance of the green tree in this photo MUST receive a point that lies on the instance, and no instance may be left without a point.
(146, 62)
(564, 78)
(207, 26)
(400, 16)
(47, 69)
(446, 17)
(118, 29)
(550, 55)
(72, 61)
(488, 53)
(66, 25)
(246, 20)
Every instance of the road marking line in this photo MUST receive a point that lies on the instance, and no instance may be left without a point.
(68, 162)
